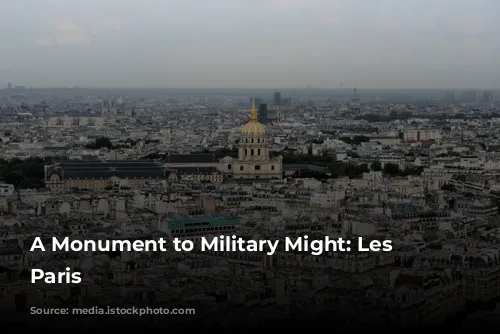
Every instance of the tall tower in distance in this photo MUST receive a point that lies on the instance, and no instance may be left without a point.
(112, 108)
(277, 105)
(449, 97)
(104, 109)
(488, 96)
(262, 113)
(277, 100)
(354, 103)
(108, 108)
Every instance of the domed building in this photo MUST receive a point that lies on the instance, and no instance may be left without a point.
(253, 154)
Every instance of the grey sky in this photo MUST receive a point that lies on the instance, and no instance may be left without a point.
(251, 43)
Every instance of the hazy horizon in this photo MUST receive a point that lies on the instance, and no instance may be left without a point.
(270, 44)
(269, 90)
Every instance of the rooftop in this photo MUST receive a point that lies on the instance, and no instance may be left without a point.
(191, 158)
(201, 222)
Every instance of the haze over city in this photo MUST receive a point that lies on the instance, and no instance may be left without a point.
(250, 44)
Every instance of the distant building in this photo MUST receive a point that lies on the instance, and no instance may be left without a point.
(275, 115)
(488, 96)
(421, 135)
(68, 122)
(277, 100)
(108, 109)
(354, 103)
(449, 97)
(262, 113)
(468, 97)
(286, 102)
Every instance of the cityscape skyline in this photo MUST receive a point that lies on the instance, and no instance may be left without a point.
(418, 171)
(270, 89)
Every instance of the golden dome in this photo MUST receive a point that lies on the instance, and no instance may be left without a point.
(253, 127)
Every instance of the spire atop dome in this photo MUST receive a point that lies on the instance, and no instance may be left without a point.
(253, 127)
(253, 112)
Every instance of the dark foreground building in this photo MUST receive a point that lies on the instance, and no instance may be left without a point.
(99, 175)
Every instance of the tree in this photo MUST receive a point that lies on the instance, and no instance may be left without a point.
(412, 171)
(376, 166)
(356, 140)
(351, 170)
(352, 154)
(225, 152)
(15, 178)
(451, 203)
(448, 187)
(23, 174)
(100, 143)
(391, 169)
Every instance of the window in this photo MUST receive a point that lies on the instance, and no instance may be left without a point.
(241, 167)
(272, 167)
(251, 153)
(229, 167)
(252, 140)
(257, 167)
(258, 151)
(246, 152)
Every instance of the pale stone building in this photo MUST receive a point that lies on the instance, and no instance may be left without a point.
(253, 160)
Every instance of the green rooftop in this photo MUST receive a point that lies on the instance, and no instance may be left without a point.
(174, 224)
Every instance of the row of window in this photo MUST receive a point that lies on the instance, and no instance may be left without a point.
(252, 152)
(256, 167)
(258, 140)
